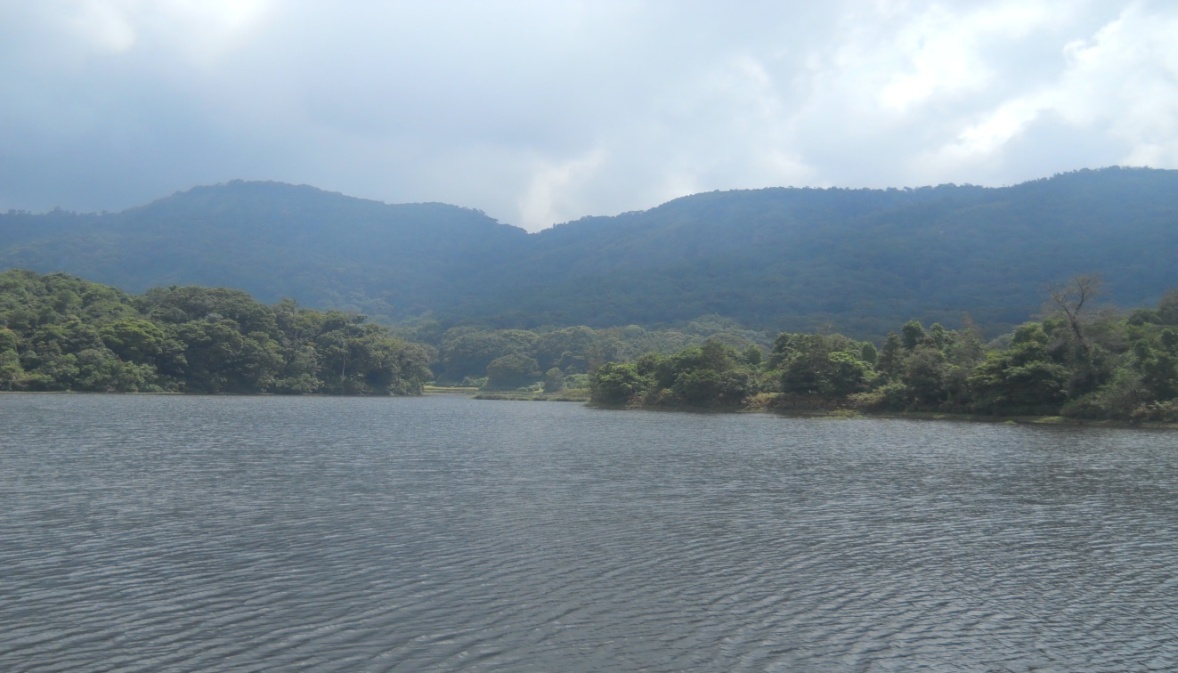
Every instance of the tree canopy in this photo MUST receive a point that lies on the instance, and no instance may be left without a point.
(1073, 362)
(59, 332)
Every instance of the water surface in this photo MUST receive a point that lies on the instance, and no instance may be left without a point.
(157, 533)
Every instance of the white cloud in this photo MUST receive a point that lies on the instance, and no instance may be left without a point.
(553, 186)
(543, 111)
(1126, 79)
(197, 31)
(1120, 83)
(105, 25)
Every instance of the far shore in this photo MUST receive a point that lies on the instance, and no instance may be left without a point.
(836, 414)
(582, 396)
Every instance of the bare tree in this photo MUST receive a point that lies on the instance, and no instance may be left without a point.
(1071, 298)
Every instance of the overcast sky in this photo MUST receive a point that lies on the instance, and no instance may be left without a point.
(542, 112)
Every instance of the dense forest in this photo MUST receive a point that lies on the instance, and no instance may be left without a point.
(858, 261)
(1081, 360)
(510, 358)
(59, 332)
(1076, 363)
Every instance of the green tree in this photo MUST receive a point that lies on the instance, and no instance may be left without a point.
(466, 351)
(925, 371)
(912, 335)
(753, 356)
(134, 339)
(9, 341)
(12, 375)
(572, 349)
(300, 373)
(1022, 379)
(512, 371)
(616, 384)
(1158, 367)
(219, 358)
(553, 380)
(820, 364)
(869, 354)
(1167, 311)
(698, 386)
(891, 357)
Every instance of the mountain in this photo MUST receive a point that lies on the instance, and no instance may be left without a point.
(859, 261)
(273, 240)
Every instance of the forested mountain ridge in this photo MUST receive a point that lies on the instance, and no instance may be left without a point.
(799, 258)
(857, 260)
(273, 240)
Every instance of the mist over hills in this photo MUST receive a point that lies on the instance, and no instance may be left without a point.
(859, 261)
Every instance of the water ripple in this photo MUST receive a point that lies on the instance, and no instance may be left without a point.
(257, 534)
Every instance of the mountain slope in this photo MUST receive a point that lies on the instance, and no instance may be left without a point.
(860, 261)
(273, 240)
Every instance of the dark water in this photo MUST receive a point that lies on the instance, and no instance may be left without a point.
(445, 534)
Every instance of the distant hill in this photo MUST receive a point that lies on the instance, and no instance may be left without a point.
(274, 240)
(860, 261)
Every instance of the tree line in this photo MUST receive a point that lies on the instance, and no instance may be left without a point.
(1074, 362)
(498, 359)
(59, 332)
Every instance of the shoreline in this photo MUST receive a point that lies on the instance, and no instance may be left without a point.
(832, 414)
(859, 414)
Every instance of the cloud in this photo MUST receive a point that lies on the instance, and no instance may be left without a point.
(1125, 79)
(550, 182)
(538, 112)
(1116, 94)
(947, 54)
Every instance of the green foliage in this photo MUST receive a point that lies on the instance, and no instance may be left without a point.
(869, 354)
(1023, 379)
(8, 340)
(572, 350)
(711, 374)
(912, 335)
(12, 375)
(617, 384)
(820, 364)
(1119, 399)
(553, 380)
(890, 360)
(1167, 311)
(465, 352)
(1158, 368)
(63, 333)
(58, 332)
(925, 376)
(135, 339)
(753, 356)
(512, 371)
(1038, 369)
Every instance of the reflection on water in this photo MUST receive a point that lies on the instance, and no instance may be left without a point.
(314, 534)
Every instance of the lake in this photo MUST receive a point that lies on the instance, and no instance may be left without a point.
(170, 533)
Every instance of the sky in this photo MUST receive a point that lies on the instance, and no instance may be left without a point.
(541, 112)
